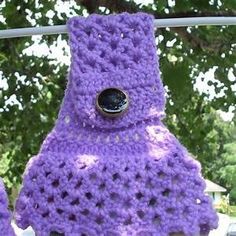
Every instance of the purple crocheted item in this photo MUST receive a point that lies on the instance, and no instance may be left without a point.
(5, 215)
(128, 175)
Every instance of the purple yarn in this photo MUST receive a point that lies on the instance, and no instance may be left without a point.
(5, 216)
(113, 176)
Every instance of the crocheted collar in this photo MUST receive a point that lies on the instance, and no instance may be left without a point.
(113, 51)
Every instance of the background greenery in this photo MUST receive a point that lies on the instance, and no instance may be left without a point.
(37, 83)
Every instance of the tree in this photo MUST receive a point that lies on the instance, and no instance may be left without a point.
(227, 170)
(37, 83)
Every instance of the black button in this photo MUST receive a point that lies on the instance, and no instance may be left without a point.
(112, 102)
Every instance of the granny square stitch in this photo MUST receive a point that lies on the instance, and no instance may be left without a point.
(127, 175)
(5, 215)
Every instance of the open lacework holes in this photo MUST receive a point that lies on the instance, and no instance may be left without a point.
(112, 233)
(54, 233)
(102, 186)
(36, 206)
(152, 202)
(78, 184)
(147, 167)
(175, 179)
(62, 165)
(50, 199)
(114, 196)
(198, 201)
(45, 214)
(114, 44)
(127, 203)
(85, 212)
(113, 215)
(41, 190)
(103, 54)
(136, 42)
(111, 29)
(156, 220)
(149, 184)
(166, 192)
(204, 227)
(75, 202)
(161, 175)
(93, 176)
(34, 178)
(99, 220)
(114, 61)
(91, 45)
(117, 139)
(72, 217)
(175, 154)
(88, 195)
(138, 177)
(59, 211)
(170, 210)
(140, 214)
(146, 30)
(186, 211)
(55, 183)
(198, 183)
(137, 58)
(171, 163)
(128, 221)
(100, 204)
(90, 62)
(47, 173)
(29, 194)
(69, 176)
(139, 195)
(40, 163)
(115, 176)
(64, 194)
(67, 119)
(127, 185)
(88, 31)
(176, 233)
(100, 36)
(134, 25)
(180, 196)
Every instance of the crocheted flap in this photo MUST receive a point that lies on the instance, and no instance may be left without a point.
(141, 88)
(115, 51)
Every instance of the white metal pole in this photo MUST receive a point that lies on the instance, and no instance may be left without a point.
(159, 23)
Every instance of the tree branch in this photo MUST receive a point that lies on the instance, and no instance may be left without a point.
(196, 41)
(196, 14)
(130, 6)
(114, 6)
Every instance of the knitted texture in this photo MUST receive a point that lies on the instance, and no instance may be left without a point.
(128, 175)
(5, 216)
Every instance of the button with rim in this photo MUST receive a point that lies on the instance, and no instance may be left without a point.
(112, 102)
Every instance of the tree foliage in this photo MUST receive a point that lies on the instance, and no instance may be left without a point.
(37, 83)
(225, 169)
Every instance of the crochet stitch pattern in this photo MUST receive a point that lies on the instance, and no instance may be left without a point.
(5, 215)
(103, 176)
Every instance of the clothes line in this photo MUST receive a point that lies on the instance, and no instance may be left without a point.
(159, 23)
